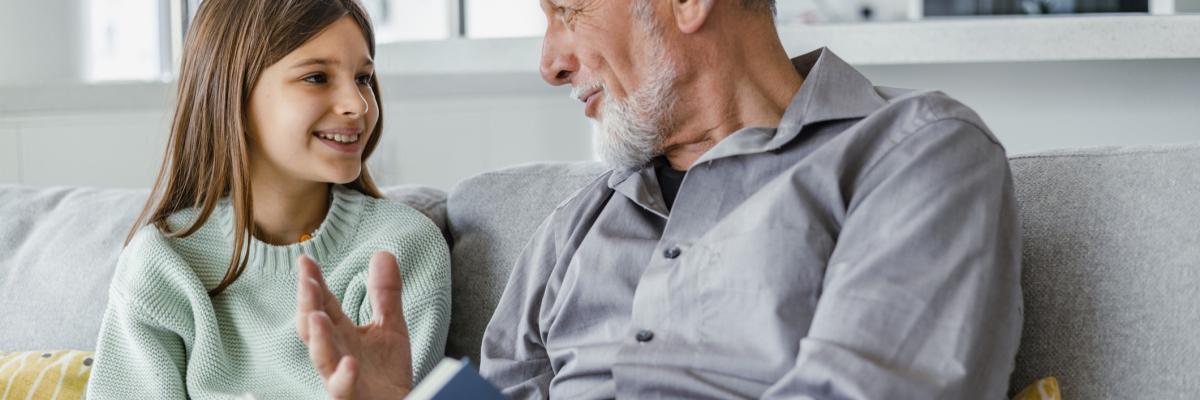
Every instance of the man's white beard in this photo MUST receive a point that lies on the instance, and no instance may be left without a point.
(630, 132)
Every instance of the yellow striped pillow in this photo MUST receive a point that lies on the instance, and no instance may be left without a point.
(1043, 389)
(61, 374)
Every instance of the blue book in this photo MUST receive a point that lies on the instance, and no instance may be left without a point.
(453, 380)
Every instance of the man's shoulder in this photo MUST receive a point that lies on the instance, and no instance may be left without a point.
(588, 198)
(909, 112)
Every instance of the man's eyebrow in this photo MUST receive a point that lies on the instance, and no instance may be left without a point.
(325, 61)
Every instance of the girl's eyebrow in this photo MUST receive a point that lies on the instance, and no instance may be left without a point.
(325, 61)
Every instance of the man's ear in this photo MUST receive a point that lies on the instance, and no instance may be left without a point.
(690, 15)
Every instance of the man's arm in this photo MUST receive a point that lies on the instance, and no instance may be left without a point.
(514, 356)
(921, 297)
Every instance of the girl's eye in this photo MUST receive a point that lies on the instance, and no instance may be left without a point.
(364, 79)
(315, 78)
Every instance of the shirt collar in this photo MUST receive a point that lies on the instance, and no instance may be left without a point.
(832, 90)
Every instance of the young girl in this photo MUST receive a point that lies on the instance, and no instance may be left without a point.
(277, 113)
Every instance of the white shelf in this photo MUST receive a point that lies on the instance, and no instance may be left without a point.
(934, 41)
(1016, 39)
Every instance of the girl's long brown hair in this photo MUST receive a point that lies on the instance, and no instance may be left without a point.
(227, 48)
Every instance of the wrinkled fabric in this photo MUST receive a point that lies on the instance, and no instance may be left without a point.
(866, 248)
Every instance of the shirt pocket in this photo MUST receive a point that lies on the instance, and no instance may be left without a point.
(759, 291)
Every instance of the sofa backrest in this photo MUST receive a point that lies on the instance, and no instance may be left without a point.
(59, 249)
(491, 217)
(1111, 271)
(1111, 263)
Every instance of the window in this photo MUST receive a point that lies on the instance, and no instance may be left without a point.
(142, 39)
(504, 18)
(123, 40)
(400, 20)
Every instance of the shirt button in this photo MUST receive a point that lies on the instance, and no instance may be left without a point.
(644, 336)
(672, 252)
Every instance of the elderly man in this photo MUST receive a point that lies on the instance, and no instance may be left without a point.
(771, 228)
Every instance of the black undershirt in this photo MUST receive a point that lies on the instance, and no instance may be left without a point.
(669, 181)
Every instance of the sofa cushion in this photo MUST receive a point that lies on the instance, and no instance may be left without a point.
(491, 218)
(60, 246)
(58, 250)
(1111, 271)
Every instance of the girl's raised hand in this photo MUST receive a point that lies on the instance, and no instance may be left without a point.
(372, 361)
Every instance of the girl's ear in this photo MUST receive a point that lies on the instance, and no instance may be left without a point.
(690, 15)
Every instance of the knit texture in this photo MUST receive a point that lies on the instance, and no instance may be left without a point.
(163, 337)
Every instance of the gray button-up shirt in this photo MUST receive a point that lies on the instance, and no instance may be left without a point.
(867, 248)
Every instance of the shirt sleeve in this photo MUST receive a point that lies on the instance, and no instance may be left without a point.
(921, 297)
(136, 355)
(514, 355)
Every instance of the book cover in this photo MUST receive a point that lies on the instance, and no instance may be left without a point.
(454, 380)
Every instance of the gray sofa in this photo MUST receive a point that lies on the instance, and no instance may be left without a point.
(1111, 262)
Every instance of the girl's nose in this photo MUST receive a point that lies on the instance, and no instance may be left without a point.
(351, 103)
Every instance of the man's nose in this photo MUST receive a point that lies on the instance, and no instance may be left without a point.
(558, 62)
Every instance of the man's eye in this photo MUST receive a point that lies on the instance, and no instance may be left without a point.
(566, 14)
(364, 79)
(316, 78)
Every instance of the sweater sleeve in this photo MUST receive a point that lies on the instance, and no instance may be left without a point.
(136, 356)
(428, 320)
(424, 260)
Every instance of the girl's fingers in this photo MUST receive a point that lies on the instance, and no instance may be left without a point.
(327, 302)
(321, 348)
(384, 288)
(307, 302)
(341, 383)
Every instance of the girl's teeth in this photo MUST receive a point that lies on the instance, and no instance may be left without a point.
(341, 138)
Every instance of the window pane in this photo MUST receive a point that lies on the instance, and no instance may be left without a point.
(504, 18)
(1007, 7)
(399, 20)
(123, 40)
(799, 12)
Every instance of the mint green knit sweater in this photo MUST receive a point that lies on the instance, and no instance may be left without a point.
(163, 337)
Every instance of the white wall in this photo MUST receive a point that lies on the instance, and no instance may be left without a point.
(439, 139)
(439, 142)
(1039, 106)
(10, 154)
(430, 140)
(109, 149)
(1187, 6)
(40, 41)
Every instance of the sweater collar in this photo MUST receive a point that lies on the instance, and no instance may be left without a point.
(328, 241)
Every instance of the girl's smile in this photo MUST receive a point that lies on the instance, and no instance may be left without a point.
(346, 140)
